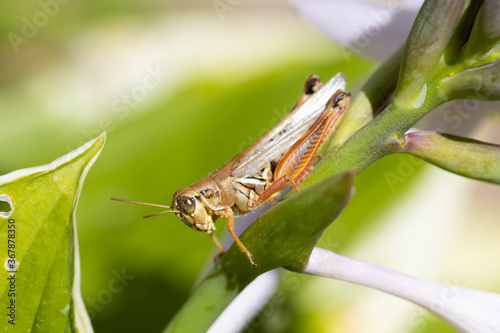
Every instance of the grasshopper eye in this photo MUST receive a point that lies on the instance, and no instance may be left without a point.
(340, 95)
(186, 204)
(312, 85)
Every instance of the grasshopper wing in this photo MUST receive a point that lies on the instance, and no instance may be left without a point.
(278, 140)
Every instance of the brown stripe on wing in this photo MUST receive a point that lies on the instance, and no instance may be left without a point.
(296, 160)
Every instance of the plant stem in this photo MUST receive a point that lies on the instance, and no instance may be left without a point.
(370, 143)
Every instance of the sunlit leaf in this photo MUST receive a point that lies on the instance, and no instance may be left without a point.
(44, 284)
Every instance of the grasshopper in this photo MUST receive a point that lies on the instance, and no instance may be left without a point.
(282, 156)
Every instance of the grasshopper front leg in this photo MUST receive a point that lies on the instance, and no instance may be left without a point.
(217, 243)
(228, 214)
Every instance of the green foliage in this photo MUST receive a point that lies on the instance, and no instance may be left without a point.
(45, 286)
(426, 80)
(432, 69)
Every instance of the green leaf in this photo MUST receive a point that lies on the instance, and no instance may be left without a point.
(429, 35)
(465, 157)
(283, 236)
(45, 287)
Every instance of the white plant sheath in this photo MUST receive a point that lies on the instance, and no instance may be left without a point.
(467, 310)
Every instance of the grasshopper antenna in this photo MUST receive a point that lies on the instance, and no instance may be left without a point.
(148, 204)
(160, 213)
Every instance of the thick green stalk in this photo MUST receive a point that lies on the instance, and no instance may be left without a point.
(370, 143)
(370, 100)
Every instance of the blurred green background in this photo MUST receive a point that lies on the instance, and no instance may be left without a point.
(181, 89)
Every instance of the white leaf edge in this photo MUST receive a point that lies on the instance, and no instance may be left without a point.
(82, 319)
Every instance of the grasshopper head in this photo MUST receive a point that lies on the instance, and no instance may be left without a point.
(190, 209)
